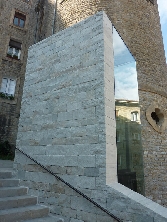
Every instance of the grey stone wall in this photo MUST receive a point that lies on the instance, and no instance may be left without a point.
(67, 123)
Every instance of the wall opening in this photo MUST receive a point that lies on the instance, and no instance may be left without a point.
(128, 125)
(157, 116)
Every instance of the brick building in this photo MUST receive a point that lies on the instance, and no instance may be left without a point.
(22, 23)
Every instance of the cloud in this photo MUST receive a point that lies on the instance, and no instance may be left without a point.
(126, 85)
(162, 8)
(121, 52)
(119, 46)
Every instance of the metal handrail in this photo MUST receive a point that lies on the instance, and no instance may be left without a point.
(69, 185)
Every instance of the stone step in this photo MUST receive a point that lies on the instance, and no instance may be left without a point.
(17, 201)
(9, 182)
(5, 174)
(50, 218)
(13, 191)
(23, 213)
(6, 164)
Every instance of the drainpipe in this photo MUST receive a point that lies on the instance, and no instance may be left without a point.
(54, 17)
(36, 29)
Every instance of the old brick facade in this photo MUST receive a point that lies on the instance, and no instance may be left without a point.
(24, 22)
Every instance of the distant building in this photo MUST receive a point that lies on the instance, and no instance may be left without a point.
(129, 146)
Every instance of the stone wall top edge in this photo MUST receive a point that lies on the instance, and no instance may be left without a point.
(65, 31)
(140, 199)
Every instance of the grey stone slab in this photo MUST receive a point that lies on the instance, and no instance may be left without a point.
(6, 164)
(23, 213)
(9, 182)
(17, 201)
(12, 191)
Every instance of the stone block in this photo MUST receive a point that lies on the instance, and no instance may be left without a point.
(91, 172)
(86, 161)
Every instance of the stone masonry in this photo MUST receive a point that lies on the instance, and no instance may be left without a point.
(138, 24)
(67, 123)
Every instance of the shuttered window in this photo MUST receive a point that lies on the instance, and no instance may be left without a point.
(14, 49)
(8, 86)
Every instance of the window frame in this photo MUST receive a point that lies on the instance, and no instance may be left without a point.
(14, 49)
(136, 136)
(21, 17)
(134, 116)
(7, 88)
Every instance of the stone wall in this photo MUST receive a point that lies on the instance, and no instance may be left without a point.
(138, 24)
(67, 123)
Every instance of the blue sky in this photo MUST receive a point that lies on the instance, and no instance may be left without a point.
(162, 7)
(126, 86)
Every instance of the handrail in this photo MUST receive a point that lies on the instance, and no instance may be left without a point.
(69, 185)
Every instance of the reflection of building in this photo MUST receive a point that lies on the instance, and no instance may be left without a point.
(130, 154)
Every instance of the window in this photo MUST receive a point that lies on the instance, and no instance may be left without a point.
(136, 136)
(8, 86)
(119, 160)
(116, 114)
(14, 49)
(134, 116)
(117, 136)
(27, 1)
(19, 19)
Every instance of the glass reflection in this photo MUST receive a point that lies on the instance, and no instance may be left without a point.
(128, 125)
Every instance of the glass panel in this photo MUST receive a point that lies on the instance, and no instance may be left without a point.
(10, 51)
(11, 88)
(21, 23)
(16, 52)
(16, 21)
(4, 85)
(128, 125)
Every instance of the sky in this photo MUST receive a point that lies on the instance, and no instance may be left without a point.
(126, 85)
(162, 8)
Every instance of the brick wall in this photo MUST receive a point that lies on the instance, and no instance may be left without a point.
(15, 69)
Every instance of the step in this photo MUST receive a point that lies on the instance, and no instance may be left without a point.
(6, 164)
(9, 182)
(50, 218)
(23, 213)
(5, 175)
(17, 201)
(13, 191)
